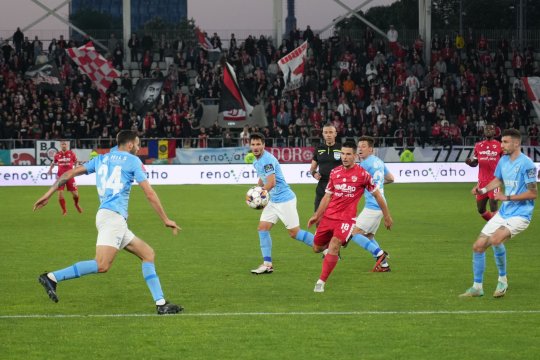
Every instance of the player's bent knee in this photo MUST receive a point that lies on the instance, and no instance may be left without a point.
(479, 247)
(149, 255)
(293, 232)
(103, 266)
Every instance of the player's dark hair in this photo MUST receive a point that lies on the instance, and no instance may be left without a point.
(513, 133)
(126, 136)
(350, 145)
(367, 139)
(257, 136)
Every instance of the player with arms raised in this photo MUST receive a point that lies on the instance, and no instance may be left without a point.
(115, 173)
(66, 160)
(336, 214)
(486, 156)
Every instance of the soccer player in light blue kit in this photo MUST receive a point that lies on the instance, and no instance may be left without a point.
(282, 204)
(367, 223)
(115, 172)
(518, 175)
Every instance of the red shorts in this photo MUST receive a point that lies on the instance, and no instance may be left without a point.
(71, 185)
(329, 228)
(489, 194)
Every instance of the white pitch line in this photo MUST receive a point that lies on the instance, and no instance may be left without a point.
(313, 313)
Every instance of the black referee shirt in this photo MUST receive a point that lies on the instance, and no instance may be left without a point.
(327, 158)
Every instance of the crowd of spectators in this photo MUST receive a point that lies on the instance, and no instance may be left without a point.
(368, 86)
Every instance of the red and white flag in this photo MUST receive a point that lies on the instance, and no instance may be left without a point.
(96, 67)
(532, 86)
(292, 66)
(204, 41)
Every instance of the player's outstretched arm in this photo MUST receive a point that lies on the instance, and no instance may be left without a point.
(495, 183)
(388, 221)
(51, 168)
(388, 178)
(270, 182)
(472, 162)
(62, 180)
(320, 210)
(530, 194)
(152, 197)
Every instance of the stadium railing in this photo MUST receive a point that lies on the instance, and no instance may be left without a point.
(219, 142)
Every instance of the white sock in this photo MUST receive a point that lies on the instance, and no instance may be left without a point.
(380, 253)
(320, 282)
(52, 277)
(503, 279)
(267, 263)
(477, 286)
(325, 252)
(160, 302)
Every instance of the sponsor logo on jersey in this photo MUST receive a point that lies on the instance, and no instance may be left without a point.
(345, 188)
(268, 168)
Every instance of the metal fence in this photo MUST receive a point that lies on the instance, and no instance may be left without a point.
(406, 36)
(193, 143)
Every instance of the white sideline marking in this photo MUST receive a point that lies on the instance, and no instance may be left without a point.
(293, 313)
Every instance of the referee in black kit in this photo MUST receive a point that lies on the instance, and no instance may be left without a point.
(326, 157)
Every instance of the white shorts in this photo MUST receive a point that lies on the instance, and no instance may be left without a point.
(112, 229)
(285, 211)
(369, 220)
(514, 224)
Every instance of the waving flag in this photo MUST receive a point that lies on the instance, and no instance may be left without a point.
(231, 95)
(45, 76)
(292, 66)
(204, 41)
(146, 94)
(532, 86)
(95, 66)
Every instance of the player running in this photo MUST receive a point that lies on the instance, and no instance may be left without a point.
(282, 205)
(336, 214)
(66, 160)
(517, 173)
(486, 156)
(367, 223)
(115, 173)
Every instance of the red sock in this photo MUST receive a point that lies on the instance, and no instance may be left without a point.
(76, 200)
(329, 263)
(487, 215)
(63, 205)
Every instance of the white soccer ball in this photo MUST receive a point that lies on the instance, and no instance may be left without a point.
(257, 198)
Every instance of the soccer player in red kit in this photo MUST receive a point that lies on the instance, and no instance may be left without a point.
(486, 155)
(66, 160)
(336, 214)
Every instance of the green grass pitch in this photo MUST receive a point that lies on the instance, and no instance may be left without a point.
(411, 313)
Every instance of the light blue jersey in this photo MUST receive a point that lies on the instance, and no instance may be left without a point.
(266, 165)
(115, 172)
(516, 175)
(378, 170)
